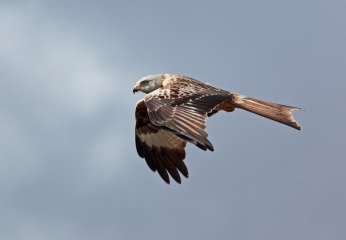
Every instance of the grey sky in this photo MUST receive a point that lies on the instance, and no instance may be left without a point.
(68, 164)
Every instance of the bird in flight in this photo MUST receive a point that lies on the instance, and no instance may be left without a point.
(174, 112)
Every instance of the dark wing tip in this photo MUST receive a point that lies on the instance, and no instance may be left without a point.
(183, 169)
(166, 161)
(211, 147)
(165, 177)
(298, 127)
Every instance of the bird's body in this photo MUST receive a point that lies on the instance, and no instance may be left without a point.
(174, 112)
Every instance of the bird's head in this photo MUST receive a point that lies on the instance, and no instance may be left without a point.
(149, 83)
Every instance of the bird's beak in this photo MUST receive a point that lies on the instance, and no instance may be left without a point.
(135, 89)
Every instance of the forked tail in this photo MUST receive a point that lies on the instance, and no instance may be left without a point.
(273, 111)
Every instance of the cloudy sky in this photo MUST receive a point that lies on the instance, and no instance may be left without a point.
(68, 164)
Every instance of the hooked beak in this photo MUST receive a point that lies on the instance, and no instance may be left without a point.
(135, 88)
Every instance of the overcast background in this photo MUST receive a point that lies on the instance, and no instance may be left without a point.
(68, 164)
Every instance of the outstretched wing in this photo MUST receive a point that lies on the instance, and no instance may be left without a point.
(182, 105)
(162, 150)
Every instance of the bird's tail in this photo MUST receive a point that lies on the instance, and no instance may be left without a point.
(273, 111)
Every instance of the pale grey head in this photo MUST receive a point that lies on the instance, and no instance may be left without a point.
(149, 83)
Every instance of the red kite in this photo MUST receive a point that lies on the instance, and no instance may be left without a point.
(174, 112)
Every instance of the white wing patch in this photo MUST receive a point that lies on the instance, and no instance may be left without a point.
(162, 138)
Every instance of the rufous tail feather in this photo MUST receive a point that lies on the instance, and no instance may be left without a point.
(277, 112)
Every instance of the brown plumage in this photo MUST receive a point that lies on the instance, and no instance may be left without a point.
(174, 112)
